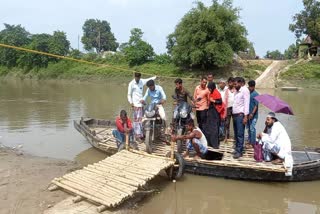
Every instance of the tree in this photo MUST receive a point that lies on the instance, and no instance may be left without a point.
(136, 50)
(14, 35)
(307, 22)
(276, 55)
(291, 52)
(59, 44)
(208, 36)
(97, 35)
(40, 42)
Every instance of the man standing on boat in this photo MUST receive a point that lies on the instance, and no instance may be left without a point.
(240, 111)
(201, 97)
(253, 114)
(135, 90)
(276, 141)
(195, 140)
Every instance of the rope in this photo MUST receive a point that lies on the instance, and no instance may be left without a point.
(87, 62)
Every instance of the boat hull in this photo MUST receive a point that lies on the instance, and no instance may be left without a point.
(304, 171)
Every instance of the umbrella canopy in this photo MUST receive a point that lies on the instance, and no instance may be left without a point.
(274, 104)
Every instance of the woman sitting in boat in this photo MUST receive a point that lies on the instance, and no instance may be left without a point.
(195, 140)
(124, 126)
(276, 141)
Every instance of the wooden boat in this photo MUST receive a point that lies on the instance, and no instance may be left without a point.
(289, 88)
(219, 163)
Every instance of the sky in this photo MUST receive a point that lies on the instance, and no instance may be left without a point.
(266, 21)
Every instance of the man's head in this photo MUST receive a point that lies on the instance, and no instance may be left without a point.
(231, 82)
(151, 85)
(271, 119)
(190, 125)
(210, 77)
(137, 77)
(252, 85)
(203, 82)
(222, 83)
(238, 83)
(123, 115)
(243, 81)
(178, 83)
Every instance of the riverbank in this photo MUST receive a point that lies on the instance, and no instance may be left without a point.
(24, 180)
(250, 69)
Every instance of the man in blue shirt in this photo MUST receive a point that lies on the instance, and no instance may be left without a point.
(158, 97)
(253, 113)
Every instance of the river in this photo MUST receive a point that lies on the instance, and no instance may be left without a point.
(37, 117)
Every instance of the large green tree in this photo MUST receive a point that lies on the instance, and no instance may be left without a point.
(136, 50)
(208, 36)
(97, 35)
(307, 22)
(14, 35)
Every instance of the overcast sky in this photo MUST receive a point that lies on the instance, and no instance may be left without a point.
(267, 21)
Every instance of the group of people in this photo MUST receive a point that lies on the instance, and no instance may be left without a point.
(215, 106)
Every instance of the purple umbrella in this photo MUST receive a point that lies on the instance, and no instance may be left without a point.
(274, 104)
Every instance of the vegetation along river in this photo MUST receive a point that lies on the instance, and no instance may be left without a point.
(37, 116)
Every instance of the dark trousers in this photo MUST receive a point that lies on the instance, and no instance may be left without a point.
(211, 128)
(201, 118)
(227, 123)
(238, 131)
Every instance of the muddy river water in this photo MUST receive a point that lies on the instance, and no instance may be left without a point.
(37, 117)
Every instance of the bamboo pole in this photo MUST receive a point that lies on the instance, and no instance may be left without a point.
(53, 187)
(77, 199)
(101, 208)
(127, 141)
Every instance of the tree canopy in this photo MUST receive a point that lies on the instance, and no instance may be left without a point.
(12, 35)
(307, 22)
(136, 50)
(208, 36)
(277, 55)
(97, 35)
(291, 52)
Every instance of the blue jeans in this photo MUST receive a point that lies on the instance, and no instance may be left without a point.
(238, 132)
(252, 130)
(121, 137)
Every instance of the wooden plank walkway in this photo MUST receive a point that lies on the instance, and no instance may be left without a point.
(114, 179)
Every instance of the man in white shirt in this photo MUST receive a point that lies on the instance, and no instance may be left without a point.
(277, 141)
(135, 91)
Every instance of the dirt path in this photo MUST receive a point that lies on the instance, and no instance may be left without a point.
(24, 180)
(268, 78)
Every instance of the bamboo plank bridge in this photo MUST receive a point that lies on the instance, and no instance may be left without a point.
(109, 182)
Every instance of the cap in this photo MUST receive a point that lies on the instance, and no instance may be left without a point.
(272, 115)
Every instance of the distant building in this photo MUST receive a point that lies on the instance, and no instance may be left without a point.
(307, 48)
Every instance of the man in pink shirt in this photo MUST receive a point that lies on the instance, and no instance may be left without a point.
(201, 97)
(240, 111)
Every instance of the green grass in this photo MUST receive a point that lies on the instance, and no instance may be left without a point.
(302, 71)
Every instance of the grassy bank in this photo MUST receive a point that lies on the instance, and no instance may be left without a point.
(305, 74)
(73, 70)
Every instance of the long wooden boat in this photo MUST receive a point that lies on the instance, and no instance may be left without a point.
(220, 162)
